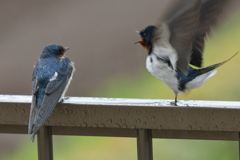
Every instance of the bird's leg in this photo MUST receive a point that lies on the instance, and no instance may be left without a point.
(175, 101)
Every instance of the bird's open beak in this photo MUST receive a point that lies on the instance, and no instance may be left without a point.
(144, 44)
(64, 52)
(138, 40)
(137, 32)
(66, 48)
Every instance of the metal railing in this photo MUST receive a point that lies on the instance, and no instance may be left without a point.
(141, 118)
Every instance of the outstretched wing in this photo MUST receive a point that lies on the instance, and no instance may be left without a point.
(209, 15)
(53, 93)
(182, 25)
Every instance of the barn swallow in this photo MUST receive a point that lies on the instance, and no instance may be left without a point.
(178, 41)
(50, 80)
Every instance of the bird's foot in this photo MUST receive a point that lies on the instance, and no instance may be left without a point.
(173, 103)
(64, 98)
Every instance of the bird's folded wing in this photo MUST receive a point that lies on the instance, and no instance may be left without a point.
(51, 99)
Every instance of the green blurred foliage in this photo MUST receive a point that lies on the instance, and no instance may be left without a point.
(167, 149)
(224, 42)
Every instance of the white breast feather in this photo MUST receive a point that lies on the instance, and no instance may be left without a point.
(162, 48)
(161, 71)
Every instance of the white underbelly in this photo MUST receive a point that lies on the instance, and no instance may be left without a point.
(161, 71)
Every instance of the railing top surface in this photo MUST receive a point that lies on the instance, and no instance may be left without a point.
(128, 113)
(128, 102)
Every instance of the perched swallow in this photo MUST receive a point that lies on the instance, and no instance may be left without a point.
(179, 41)
(50, 80)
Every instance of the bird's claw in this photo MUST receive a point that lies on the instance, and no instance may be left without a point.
(173, 103)
(64, 98)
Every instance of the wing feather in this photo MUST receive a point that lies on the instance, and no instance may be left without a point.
(182, 27)
(54, 92)
(209, 16)
(33, 105)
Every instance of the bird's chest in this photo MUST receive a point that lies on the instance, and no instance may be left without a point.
(162, 71)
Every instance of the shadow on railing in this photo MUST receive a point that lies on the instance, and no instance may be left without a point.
(114, 117)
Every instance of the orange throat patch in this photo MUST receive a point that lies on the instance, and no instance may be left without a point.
(64, 53)
(144, 44)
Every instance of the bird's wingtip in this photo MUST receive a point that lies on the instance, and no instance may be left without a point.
(232, 57)
(32, 137)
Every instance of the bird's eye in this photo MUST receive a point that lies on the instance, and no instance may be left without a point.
(61, 50)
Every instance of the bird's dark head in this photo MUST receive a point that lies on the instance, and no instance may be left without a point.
(54, 50)
(146, 35)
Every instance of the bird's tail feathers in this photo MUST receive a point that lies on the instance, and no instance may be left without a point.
(32, 115)
(214, 66)
(32, 137)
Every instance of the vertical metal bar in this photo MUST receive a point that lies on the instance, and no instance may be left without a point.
(144, 144)
(45, 147)
(238, 145)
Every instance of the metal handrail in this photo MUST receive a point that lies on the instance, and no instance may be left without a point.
(141, 118)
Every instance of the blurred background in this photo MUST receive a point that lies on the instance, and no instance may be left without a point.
(100, 35)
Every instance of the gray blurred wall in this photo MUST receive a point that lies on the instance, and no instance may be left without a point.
(99, 33)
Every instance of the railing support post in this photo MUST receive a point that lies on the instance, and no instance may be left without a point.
(238, 145)
(45, 147)
(144, 144)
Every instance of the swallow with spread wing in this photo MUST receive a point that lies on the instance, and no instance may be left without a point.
(179, 41)
(51, 77)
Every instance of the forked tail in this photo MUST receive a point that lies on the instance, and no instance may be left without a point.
(214, 66)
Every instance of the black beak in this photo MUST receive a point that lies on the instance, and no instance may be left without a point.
(66, 48)
(137, 32)
(136, 42)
